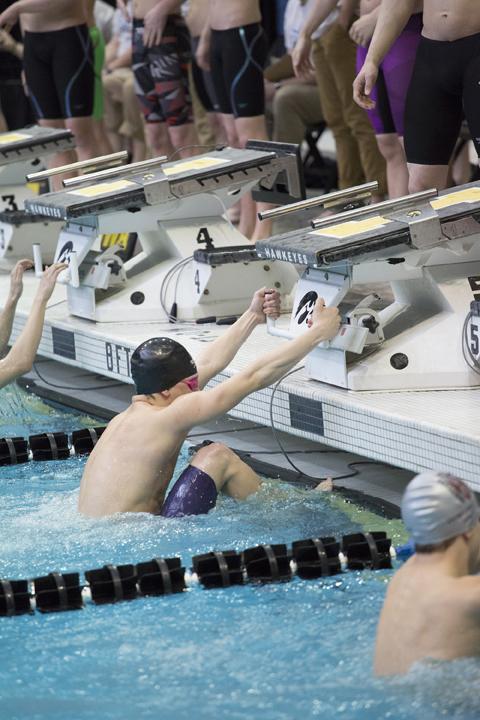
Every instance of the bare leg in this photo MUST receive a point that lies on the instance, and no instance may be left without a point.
(158, 139)
(102, 140)
(139, 150)
(230, 474)
(253, 128)
(84, 130)
(391, 147)
(227, 123)
(183, 137)
(425, 177)
(461, 170)
(66, 157)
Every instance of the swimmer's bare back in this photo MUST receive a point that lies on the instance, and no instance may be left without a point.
(427, 615)
(132, 463)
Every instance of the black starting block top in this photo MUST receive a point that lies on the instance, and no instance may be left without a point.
(202, 173)
(32, 142)
(373, 233)
(20, 217)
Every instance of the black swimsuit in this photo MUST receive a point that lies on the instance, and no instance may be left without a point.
(445, 85)
(237, 60)
(59, 72)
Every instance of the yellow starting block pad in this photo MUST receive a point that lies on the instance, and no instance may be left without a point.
(203, 163)
(12, 137)
(102, 188)
(469, 195)
(353, 227)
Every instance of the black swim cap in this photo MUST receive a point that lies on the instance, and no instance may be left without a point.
(159, 364)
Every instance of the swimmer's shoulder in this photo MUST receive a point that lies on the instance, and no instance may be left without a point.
(467, 589)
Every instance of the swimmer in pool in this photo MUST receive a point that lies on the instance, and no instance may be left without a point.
(432, 606)
(132, 463)
(20, 358)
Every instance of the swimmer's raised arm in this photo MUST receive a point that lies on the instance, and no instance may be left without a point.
(8, 312)
(221, 352)
(391, 20)
(22, 354)
(198, 407)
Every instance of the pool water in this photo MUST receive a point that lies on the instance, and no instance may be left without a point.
(301, 649)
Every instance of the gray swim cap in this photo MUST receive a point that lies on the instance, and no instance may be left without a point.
(437, 506)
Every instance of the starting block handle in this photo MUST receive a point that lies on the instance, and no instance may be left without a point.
(358, 191)
(387, 205)
(73, 266)
(101, 161)
(272, 329)
(37, 260)
(123, 170)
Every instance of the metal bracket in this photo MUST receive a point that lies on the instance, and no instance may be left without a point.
(424, 225)
(157, 190)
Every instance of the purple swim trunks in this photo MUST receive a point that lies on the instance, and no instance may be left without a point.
(390, 92)
(194, 493)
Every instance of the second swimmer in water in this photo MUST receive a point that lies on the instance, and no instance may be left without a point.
(133, 462)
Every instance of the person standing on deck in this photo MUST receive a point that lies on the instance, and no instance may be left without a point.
(390, 93)
(445, 83)
(234, 49)
(58, 63)
(333, 56)
(161, 58)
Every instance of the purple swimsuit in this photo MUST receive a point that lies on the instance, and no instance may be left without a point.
(394, 77)
(194, 493)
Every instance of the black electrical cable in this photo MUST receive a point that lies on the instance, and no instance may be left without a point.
(226, 432)
(301, 473)
(217, 146)
(70, 387)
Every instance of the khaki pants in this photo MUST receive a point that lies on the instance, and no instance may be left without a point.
(205, 132)
(295, 106)
(122, 114)
(358, 156)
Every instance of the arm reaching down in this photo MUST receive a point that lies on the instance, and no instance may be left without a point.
(8, 313)
(156, 19)
(199, 407)
(392, 18)
(302, 64)
(22, 354)
(221, 352)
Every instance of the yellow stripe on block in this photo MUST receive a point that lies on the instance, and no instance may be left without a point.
(469, 195)
(195, 164)
(6, 138)
(353, 227)
(102, 188)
